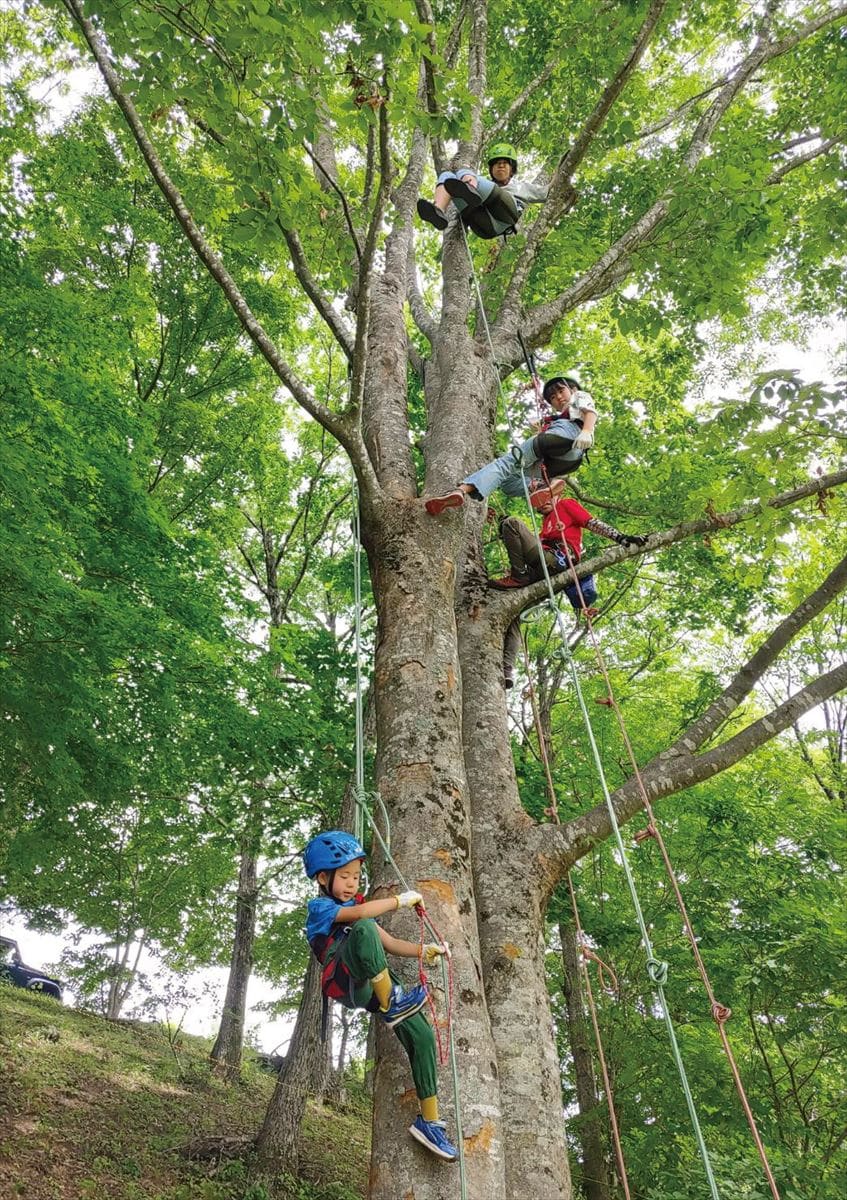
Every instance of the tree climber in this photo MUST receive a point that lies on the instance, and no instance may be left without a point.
(564, 519)
(556, 449)
(342, 931)
(490, 207)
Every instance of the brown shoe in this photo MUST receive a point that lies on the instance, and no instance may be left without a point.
(437, 504)
(509, 581)
(589, 612)
(546, 495)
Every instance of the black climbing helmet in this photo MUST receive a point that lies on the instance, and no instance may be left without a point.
(570, 381)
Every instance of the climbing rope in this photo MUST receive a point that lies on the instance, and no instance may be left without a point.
(584, 953)
(657, 971)
(720, 1013)
(363, 813)
(358, 819)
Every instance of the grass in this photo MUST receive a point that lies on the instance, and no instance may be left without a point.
(92, 1109)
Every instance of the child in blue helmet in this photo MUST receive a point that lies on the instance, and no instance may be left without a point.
(342, 931)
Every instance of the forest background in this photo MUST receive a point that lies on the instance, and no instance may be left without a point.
(177, 560)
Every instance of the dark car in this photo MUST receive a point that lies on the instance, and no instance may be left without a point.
(13, 970)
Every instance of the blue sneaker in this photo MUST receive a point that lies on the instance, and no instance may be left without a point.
(431, 1134)
(404, 1004)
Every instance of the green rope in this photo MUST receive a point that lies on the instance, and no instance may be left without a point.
(362, 813)
(657, 971)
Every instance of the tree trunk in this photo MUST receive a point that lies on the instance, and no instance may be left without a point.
(225, 1055)
(421, 776)
(511, 890)
(595, 1175)
(279, 1137)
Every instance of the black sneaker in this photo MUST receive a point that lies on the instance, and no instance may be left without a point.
(427, 211)
(459, 190)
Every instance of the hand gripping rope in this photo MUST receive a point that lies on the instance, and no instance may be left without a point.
(362, 814)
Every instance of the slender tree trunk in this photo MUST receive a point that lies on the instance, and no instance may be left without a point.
(511, 891)
(595, 1175)
(225, 1055)
(279, 1137)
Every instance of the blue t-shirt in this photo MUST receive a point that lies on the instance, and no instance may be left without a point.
(321, 915)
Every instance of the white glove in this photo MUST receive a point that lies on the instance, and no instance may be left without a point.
(584, 442)
(433, 951)
(409, 899)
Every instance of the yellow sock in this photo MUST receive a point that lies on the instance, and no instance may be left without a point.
(382, 985)
(429, 1108)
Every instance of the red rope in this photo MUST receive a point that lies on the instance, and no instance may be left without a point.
(720, 1013)
(425, 919)
(585, 952)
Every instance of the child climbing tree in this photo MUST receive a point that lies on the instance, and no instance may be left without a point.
(677, 156)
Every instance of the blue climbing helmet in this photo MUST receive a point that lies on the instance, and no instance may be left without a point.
(329, 851)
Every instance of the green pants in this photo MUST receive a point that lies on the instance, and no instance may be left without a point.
(362, 953)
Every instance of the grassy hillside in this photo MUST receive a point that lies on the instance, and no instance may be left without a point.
(92, 1110)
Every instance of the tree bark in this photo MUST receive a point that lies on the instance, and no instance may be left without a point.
(225, 1054)
(595, 1175)
(421, 775)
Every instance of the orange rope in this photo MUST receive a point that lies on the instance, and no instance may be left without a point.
(720, 1013)
(584, 952)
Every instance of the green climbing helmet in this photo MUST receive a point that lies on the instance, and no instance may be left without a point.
(503, 150)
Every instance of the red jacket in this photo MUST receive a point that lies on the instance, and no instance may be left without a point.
(569, 518)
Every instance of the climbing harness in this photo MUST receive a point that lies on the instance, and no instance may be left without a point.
(657, 970)
(363, 813)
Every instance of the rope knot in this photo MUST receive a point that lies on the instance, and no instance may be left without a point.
(608, 978)
(658, 971)
(641, 835)
(721, 1013)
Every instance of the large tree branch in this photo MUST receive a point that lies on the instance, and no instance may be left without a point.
(800, 160)
(324, 173)
(421, 315)
(510, 604)
(677, 113)
(745, 680)
(309, 284)
(346, 434)
(503, 122)
(561, 193)
(662, 777)
(541, 320)
(363, 298)
(468, 149)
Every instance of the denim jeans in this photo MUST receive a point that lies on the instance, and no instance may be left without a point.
(505, 472)
(484, 186)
